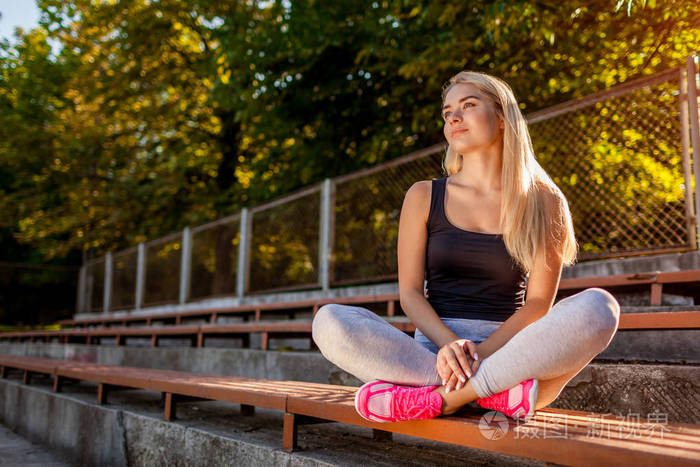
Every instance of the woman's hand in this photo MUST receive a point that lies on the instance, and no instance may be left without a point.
(456, 362)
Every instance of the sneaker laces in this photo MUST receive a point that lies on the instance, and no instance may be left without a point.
(415, 403)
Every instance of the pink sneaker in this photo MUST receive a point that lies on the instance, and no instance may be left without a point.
(517, 402)
(379, 401)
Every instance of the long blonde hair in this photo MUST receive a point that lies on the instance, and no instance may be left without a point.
(533, 207)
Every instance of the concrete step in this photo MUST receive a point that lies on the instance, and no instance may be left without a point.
(16, 451)
(603, 386)
(671, 392)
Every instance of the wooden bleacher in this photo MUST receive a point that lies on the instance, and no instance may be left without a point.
(628, 442)
(656, 282)
(301, 403)
(197, 334)
(246, 311)
(119, 329)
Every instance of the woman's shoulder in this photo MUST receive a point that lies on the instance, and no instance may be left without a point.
(421, 188)
(418, 197)
(551, 196)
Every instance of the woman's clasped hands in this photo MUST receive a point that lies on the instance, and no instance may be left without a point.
(457, 361)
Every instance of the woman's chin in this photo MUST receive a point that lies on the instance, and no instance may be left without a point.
(466, 148)
(462, 149)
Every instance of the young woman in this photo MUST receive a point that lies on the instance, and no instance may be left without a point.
(491, 239)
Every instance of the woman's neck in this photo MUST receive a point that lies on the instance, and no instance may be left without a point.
(480, 172)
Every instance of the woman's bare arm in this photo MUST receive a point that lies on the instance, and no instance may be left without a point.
(412, 244)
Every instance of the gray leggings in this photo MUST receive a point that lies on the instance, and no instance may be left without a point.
(568, 337)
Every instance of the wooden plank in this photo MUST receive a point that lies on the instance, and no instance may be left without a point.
(251, 391)
(668, 277)
(660, 277)
(137, 378)
(181, 330)
(605, 281)
(660, 320)
(280, 328)
(678, 444)
(258, 326)
(518, 437)
(33, 364)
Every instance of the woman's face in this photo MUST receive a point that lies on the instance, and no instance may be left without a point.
(471, 122)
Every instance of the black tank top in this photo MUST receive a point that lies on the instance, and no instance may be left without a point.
(470, 274)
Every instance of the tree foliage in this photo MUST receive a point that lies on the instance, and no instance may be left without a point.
(151, 115)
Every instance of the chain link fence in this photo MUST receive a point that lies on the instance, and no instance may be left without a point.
(162, 278)
(124, 265)
(618, 159)
(215, 259)
(366, 217)
(284, 244)
(620, 156)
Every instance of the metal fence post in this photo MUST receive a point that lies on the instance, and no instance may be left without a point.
(80, 299)
(89, 286)
(81, 293)
(692, 219)
(694, 132)
(324, 251)
(243, 255)
(108, 282)
(140, 275)
(185, 263)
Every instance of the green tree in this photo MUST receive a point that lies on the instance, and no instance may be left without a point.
(155, 115)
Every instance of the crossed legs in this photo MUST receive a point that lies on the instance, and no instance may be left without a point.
(553, 349)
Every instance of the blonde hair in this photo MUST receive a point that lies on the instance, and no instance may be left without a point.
(532, 205)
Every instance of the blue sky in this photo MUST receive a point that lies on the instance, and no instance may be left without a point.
(15, 13)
